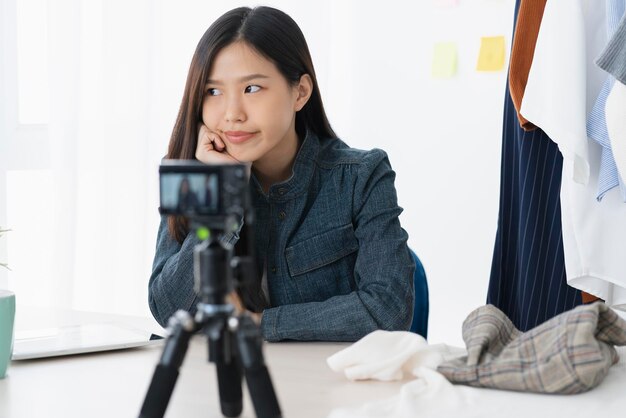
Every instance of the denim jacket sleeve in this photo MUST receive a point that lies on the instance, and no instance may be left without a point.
(171, 284)
(384, 295)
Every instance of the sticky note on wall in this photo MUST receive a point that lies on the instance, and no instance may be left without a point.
(491, 55)
(444, 60)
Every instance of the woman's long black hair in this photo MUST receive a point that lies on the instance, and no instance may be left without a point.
(273, 34)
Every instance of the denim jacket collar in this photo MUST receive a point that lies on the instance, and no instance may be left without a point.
(303, 168)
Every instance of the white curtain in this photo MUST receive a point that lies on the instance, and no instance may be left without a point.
(84, 226)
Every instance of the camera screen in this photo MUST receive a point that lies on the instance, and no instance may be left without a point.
(189, 193)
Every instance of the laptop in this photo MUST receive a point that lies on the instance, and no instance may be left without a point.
(77, 339)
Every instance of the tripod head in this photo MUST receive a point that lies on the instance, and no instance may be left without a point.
(235, 270)
(217, 214)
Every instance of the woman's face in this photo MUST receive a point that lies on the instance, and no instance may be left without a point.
(184, 186)
(250, 104)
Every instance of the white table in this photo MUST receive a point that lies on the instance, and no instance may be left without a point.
(113, 384)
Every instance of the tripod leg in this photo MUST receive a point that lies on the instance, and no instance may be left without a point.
(228, 374)
(181, 328)
(258, 378)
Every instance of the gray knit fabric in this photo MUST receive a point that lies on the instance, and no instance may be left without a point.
(613, 57)
(570, 353)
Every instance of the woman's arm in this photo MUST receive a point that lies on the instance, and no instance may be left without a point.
(171, 284)
(383, 271)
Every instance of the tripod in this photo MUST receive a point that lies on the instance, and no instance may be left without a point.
(235, 342)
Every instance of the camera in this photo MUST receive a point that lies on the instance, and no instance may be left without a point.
(212, 193)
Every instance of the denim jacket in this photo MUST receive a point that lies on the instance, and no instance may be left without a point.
(336, 258)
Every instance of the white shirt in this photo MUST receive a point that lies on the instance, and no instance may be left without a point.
(554, 98)
(563, 85)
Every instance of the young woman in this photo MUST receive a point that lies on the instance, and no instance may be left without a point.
(336, 265)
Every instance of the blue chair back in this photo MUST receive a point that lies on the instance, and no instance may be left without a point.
(420, 311)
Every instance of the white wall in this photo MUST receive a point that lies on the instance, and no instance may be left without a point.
(443, 136)
(373, 63)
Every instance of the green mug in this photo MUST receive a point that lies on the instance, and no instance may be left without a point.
(7, 318)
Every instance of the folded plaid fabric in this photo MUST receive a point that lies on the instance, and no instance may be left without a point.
(570, 353)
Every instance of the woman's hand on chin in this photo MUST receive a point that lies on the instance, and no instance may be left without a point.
(211, 148)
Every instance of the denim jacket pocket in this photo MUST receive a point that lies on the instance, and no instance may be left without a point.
(321, 250)
(323, 266)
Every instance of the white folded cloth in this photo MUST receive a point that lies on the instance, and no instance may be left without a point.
(430, 396)
(385, 355)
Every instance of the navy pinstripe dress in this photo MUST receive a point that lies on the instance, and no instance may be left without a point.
(528, 281)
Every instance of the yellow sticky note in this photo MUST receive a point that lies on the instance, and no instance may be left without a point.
(444, 60)
(491, 55)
